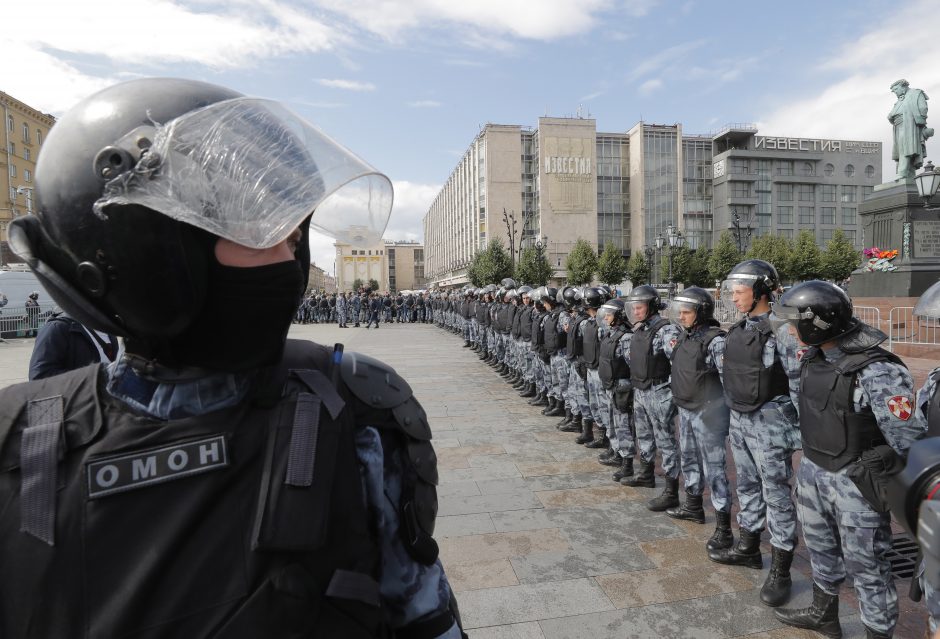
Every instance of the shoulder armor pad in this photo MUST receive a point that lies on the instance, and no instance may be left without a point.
(412, 419)
(374, 382)
(424, 460)
(866, 337)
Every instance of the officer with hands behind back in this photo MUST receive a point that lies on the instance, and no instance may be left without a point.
(209, 483)
(856, 419)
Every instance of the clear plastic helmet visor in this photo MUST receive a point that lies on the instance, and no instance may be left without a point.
(676, 308)
(784, 320)
(737, 282)
(250, 170)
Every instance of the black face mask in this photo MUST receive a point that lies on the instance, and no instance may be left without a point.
(245, 318)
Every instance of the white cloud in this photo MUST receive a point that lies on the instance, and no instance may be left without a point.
(650, 86)
(347, 85)
(856, 105)
(425, 104)
(664, 60)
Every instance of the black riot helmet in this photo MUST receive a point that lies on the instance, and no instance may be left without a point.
(615, 308)
(648, 295)
(759, 275)
(821, 312)
(594, 297)
(525, 293)
(569, 297)
(929, 303)
(136, 185)
(508, 282)
(548, 294)
(699, 300)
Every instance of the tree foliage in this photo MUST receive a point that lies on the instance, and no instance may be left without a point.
(533, 269)
(490, 265)
(611, 268)
(775, 249)
(581, 263)
(807, 258)
(638, 269)
(840, 257)
(357, 284)
(724, 257)
(698, 274)
(681, 261)
(373, 285)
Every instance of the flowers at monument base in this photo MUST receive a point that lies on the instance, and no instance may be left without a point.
(880, 260)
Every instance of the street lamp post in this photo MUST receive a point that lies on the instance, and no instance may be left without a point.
(676, 240)
(738, 231)
(649, 252)
(927, 181)
(660, 243)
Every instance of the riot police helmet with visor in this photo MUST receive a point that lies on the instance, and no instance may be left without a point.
(754, 277)
(644, 302)
(694, 306)
(613, 313)
(820, 311)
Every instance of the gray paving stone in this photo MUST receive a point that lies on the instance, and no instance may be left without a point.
(457, 489)
(460, 525)
(531, 602)
(510, 485)
(489, 503)
(582, 561)
(529, 630)
(478, 474)
(565, 482)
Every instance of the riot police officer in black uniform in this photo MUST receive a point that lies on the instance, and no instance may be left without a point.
(206, 485)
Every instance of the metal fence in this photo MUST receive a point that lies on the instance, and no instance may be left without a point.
(870, 315)
(17, 321)
(906, 328)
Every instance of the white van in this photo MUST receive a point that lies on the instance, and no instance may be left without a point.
(16, 285)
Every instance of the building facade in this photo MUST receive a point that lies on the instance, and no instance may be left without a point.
(24, 129)
(319, 280)
(564, 180)
(395, 265)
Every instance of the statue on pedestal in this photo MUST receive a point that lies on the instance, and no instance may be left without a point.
(909, 117)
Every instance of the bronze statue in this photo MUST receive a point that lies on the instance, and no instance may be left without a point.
(909, 117)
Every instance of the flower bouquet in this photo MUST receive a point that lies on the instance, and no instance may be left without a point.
(879, 260)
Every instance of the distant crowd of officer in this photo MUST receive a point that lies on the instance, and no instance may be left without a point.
(798, 371)
(364, 307)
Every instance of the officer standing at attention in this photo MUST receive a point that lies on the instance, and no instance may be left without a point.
(653, 409)
(615, 377)
(204, 485)
(856, 407)
(592, 332)
(760, 373)
(703, 414)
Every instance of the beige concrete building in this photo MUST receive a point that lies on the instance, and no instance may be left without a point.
(395, 265)
(320, 280)
(405, 266)
(24, 129)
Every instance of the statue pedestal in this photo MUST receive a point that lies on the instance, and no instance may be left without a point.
(894, 217)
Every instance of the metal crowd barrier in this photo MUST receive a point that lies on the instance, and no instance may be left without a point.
(870, 315)
(17, 321)
(905, 328)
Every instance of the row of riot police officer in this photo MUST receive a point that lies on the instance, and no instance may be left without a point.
(620, 373)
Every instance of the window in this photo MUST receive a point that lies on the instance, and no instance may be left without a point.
(869, 171)
(827, 214)
(848, 193)
(806, 192)
(785, 167)
(12, 170)
(827, 192)
(807, 168)
(849, 170)
(27, 175)
(13, 193)
(829, 169)
(850, 235)
(12, 149)
(9, 123)
(787, 233)
(785, 214)
(825, 235)
(739, 165)
(867, 191)
(785, 192)
(38, 136)
(26, 133)
(807, 215)
(740, 189)
(370, 252)
(26, 154)
(848, 215)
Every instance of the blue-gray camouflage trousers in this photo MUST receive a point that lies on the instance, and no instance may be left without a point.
(703, 439)
(577, 398)
(654, 415)
(559, 386)
(622, 425)
(762, 447)
(598, 401)
(845, 535)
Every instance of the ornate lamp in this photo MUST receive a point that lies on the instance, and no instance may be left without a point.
(927, 182)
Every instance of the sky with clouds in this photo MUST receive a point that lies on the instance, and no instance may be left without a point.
(407, 84)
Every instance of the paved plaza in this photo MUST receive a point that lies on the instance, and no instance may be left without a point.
(536, 539)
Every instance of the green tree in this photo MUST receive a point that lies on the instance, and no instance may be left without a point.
(681, 261)
(807, 258)
(775, 249)
(611, 268)
(490, 265)
(638, 269)
(698, 269)
(724, 257)
(581, 263)
(840, 257)
(373, 285)
(357, 284)
(533, 268)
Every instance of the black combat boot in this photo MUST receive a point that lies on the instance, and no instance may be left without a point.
(587, 431)
(574, 426)
(536, 398)
(722, 537)
(550, 405)
(646, 478)
(746, 553)
(822, 615)
(528, 390)
(691, 510)
(541, 401)
(626, 469)
(466, 343)
(558, 410)
(609, 458)
(669, 498)
(566, 419)
(776, 590)
(599, 442)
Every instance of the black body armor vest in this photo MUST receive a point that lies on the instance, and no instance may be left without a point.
(933, 408)
(575, 338)
(249, 521)
(516, 329)
(504, 317)
(554, 341)
(610, 368)
(748, 384)
(483, 313)
(833, 433)
(647, 369)
(591, 344)
(693, 385)
(525, 324)
(465, 309)
(538, 334)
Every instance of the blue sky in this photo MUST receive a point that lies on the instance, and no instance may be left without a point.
(407, 84)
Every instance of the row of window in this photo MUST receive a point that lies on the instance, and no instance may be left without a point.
(11, 125)
(807, 215)
(786, 167)
(27, 174)
(363, 252)
(27, 153)
(804, 192)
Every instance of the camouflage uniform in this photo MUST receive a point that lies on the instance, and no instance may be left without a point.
(341, 310)
(654, 412)
(622, 423)
(762, 444)
(703, 440)
(559, 363)
(931, 596)
(577, 397)
(598, 396)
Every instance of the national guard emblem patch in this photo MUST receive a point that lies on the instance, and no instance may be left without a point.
(673, 342)
(800, 354)
(900, 407)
